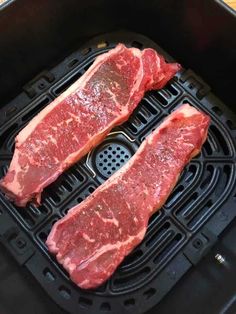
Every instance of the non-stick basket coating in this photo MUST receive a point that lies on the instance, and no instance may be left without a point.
(178, 235)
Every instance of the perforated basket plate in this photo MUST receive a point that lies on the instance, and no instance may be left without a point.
(198, 210)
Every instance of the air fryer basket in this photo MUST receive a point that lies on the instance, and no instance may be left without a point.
(178, 235)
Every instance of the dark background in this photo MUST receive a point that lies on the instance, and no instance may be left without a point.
(200, 34)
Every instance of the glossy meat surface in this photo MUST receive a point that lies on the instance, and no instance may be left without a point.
(95, 236)
(81, 117)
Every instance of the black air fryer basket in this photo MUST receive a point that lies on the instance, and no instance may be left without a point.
(45, 47)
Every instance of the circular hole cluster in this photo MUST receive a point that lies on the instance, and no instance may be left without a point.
(111, 158)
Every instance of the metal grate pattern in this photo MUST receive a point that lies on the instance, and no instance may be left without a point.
(197, 211)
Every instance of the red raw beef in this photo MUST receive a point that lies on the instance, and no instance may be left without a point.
(95, 236)
(81, 117)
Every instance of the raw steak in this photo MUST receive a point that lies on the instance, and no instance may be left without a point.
(81, 117)
(95, 236)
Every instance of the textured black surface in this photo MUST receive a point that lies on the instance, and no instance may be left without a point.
(198, 210)
(208, 288)
(199, 34)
